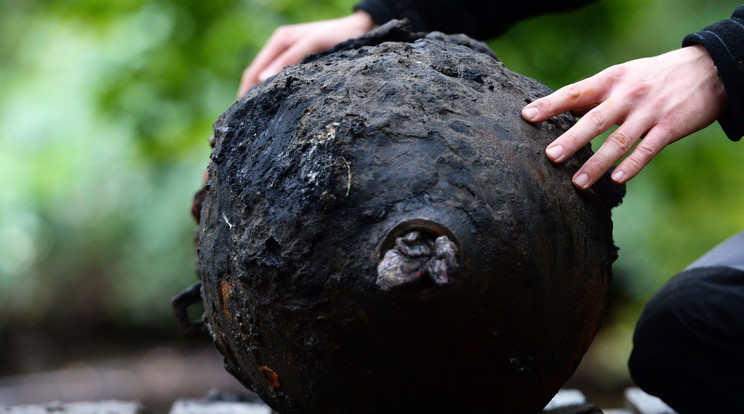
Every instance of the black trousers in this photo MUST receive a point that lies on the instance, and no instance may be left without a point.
(688, 346)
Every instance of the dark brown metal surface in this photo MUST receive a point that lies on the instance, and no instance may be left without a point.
(320, 172)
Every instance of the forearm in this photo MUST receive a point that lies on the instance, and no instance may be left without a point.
(724, 41)
(481, 19)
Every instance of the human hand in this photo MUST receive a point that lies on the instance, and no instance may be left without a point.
(290, 44)
(659, 99)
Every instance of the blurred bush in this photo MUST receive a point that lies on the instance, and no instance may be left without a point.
(686, 201)
(105, 110)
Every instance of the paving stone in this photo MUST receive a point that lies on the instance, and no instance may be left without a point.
(566, 397)
(218, 407)
(641, 403)
(575, 409)
(570, 401)
(567, 401)
(99, 407)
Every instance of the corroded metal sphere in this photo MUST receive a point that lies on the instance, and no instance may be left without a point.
(381, 232)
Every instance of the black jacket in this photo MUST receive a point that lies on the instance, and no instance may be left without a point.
(480, 19)
(483, 19)
(724, 41)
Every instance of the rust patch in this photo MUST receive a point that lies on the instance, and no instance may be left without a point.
(271, 376)
(538, 174)
(225, 292)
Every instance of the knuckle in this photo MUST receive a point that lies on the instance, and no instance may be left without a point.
(667, 129)
(639, 90)
(644, 152)
(570, 141)
(543, 104)
(634, 164)
(598, 119)
(573, 92)
(615, 73)
(620, 139)
(596, 165)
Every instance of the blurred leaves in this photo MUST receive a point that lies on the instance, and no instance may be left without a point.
(104, 113)
(105, 110)
(690, 198)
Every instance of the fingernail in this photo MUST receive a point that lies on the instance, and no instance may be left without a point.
(529, 112)
(582, 180)
(554, 152)
(617, 176)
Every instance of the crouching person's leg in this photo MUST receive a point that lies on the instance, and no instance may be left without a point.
(688, 346)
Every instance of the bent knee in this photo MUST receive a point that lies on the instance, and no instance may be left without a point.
(689, 336)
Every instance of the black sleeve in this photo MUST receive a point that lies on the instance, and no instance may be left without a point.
(724, 41)
(481, 19)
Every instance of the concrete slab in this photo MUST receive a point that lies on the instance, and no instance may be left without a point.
(218, 407)
(570, 401)
(566, 397)
(99, 407)
(638, 402)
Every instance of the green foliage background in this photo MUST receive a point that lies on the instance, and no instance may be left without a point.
(105, 110)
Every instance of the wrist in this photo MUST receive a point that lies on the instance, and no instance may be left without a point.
(707, 69)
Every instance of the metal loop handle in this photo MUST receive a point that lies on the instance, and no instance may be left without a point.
(181, 302)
